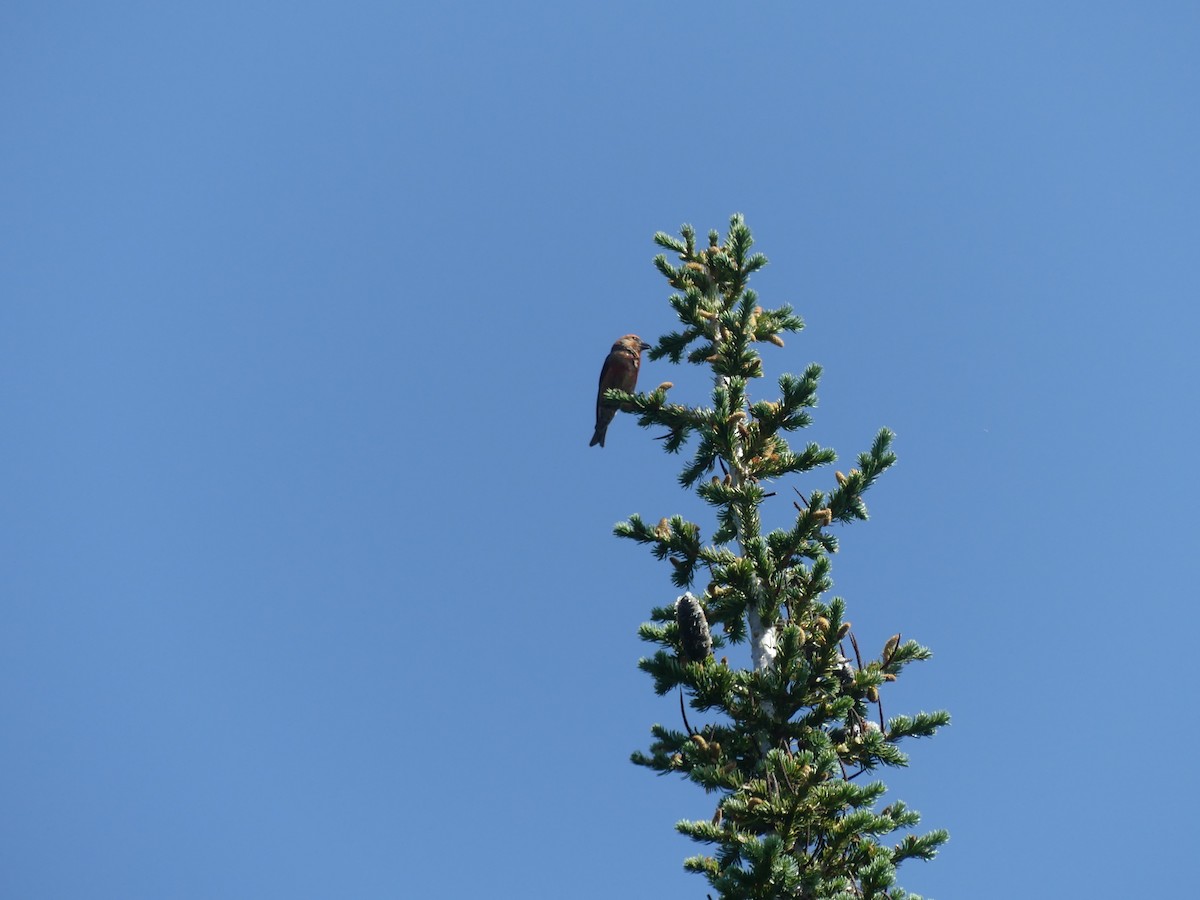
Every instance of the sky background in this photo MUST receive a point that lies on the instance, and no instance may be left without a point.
(307, 584)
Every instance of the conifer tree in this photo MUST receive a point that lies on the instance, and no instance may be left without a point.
(785, 740)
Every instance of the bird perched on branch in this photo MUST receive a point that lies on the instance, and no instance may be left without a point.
(620, 372)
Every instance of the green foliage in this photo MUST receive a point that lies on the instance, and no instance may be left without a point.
(786, 741)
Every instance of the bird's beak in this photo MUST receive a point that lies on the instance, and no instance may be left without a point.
(645, 346)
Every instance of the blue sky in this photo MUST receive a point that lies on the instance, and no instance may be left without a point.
(308, 586)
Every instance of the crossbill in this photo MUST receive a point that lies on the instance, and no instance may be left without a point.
(620, 372)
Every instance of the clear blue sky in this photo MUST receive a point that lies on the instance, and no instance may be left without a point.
(308, 588)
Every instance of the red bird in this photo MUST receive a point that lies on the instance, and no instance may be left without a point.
(620, 372)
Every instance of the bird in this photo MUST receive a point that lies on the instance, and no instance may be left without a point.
(620, 371)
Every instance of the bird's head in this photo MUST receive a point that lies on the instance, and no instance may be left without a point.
(632, 343)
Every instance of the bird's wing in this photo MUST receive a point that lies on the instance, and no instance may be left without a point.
(605, 373)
